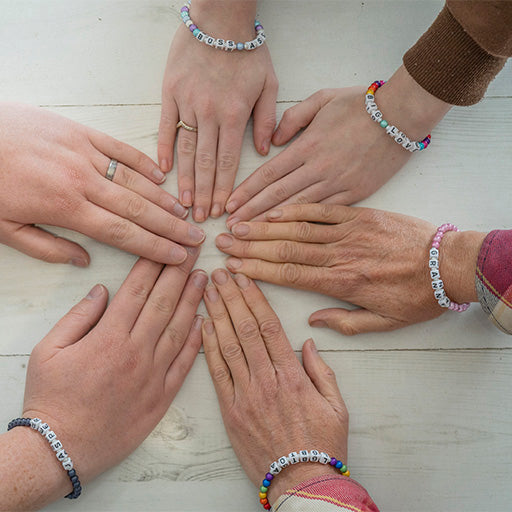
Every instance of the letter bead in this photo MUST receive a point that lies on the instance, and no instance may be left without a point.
(293, 458)
(304, 456)
(369, 98)
(44, 428)
(324, 458)
(220, 44)
(283, 462)
(434, 274)
(209, 40)
(259, 41)
(314, 456)
(433, 263)
(437, 284)
(61, 455)
(35, 423)
(51, 436)
(439, 294)
(434, 253)
(391, 130)
(230, 45)
(444, 302)
(67, 464)
(200, 36)
(275, 468)
(371, 108)
(56, 445)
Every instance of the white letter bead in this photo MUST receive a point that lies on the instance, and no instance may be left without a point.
(56, 445)
(433, 253)
(369, 98)
(439, 294)
(433, 263)
(51, 436)
(376, 116)
(200, 36)
(314, 455)
(304, 456)
(434, 274)
(444, 302)
(275, 468)
(437, 285)
(400, 137)
(67, 464)
(44, 428)
(209, 40)
(259, 41)
(220, 44)
(407, 144)
(324, 458)
(250, 45)
(371, 107)
(283, 462)
(293, 457)
(391, 130)
(230, 45)
(61, 455)
(34, 423)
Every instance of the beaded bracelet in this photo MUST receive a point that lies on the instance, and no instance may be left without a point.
(433, 266)
(294, 458)
(221, 44)
(398, 136)
(45, 430)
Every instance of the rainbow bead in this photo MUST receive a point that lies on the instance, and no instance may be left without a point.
(263, 495)
(263, 488)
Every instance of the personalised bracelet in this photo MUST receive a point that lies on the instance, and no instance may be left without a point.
(221, 44)
(45, 430)
(398, 136)
(294, 458)
(433, 266)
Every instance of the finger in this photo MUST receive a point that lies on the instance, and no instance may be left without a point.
(245, 324)
(114, 230)
(350, 322)
(175, 333)
(276, 342)
(205, 164)
(324, 213)
(264, 116)
(273, 170)
(321, 375)
(162, 301)
(183, 362)
(41, 244)
(132, 295)
(343, 198)
(219, 370)
(144, 213)
(79, 320)
(293, 275)
(297, 117)
(128, 155)
(167, 133)
(228, 160)
(187, 143)
(275, 194)
(282, 251)
(228, 340)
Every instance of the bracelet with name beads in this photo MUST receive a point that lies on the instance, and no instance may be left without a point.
(221, 44)
(61, 454)
(294, 458)
(433, 266)
(398, 136)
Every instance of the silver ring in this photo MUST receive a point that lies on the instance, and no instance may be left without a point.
(111, 170)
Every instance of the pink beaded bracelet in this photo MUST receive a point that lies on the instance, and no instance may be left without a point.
(433, 266)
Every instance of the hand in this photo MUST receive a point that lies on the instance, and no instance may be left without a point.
(342, 156)
(374, 259)
(214, 91)
(103, 379)
(52, 171)
(270, 404)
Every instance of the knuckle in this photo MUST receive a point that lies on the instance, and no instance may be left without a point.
(327, 211)
(220, 374)
(248, 330)
(304, 231)
(119, 231)
(186, 145)
(347, 329)
(280, 192)
(232, 352)
(162, 304)
(125, 178)
(175, 334)
(205, 161)
(270, 329)
(136, 207)
(138, 292)
(269, 174)
(287, 251)
(227, 162)
(290, 273)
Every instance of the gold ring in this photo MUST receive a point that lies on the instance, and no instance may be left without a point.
(181, 124)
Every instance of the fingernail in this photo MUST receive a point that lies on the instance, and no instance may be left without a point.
(178, 255)
(274, 214)
(313, 346)
(220, 277)
(318, 323)
(164, 165)
(186, 199)
(233, 263)
(224, 241)
(199, 215)
(95, 292)
(79, 262)
(211, 293)
(241, 229)
(200, 280)
(196, 234)
(179, 211)
(208, 326)
(198, 322)
(231, 221)
(159, 175)
(265, 147)
(216, 211)
(242, 281)
(231, 206)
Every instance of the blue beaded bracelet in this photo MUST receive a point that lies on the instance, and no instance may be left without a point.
(56, 445)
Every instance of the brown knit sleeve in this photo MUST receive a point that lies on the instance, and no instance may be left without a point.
(449, 63)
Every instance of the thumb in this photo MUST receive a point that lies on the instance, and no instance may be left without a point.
(41, 244)
(350, 322)
(264, 116)
(79, 320)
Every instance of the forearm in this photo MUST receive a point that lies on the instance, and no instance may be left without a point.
(31, 475)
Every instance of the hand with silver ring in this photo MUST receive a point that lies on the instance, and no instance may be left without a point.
(57, 172)
(214, 92)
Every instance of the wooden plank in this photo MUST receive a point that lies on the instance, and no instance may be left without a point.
(429, 431)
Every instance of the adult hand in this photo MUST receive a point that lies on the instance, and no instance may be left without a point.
(270, 404)
(214, 91)
(103, 379)
(374, 259)
(342, 156)
(52, 171)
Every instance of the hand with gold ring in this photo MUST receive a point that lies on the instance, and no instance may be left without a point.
(213, 93)
(57, 172)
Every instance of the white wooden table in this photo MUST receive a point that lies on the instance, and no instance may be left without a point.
(430, 405)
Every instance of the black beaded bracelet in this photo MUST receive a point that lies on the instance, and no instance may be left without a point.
(56, 445)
